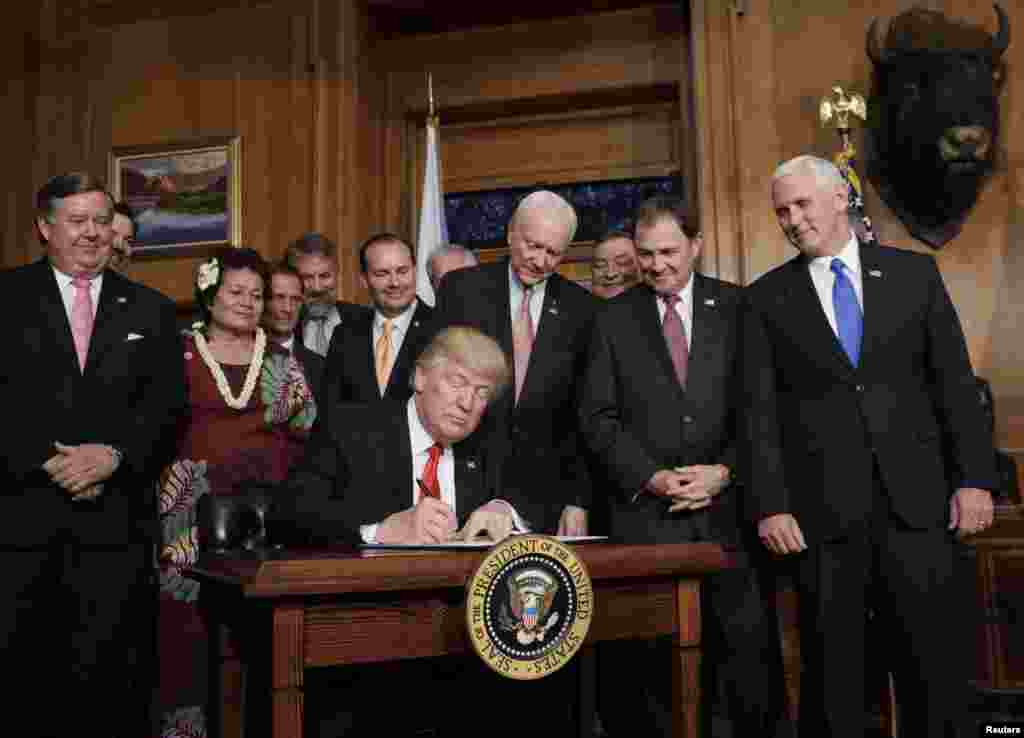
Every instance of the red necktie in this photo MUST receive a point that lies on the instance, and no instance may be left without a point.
(81, 318)
(675, 336)
(431, 487)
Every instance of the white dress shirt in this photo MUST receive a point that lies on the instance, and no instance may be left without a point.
(684, 308)
(399, 329)
(517, 289)
(824, 279)
(67, 291)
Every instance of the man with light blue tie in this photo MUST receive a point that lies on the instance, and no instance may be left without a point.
(866, 457)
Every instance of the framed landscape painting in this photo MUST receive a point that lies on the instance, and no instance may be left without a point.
(186, 196)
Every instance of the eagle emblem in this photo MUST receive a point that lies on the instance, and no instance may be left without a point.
(531, 593)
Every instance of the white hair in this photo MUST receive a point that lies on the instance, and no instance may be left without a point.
(824, 172)
(453, 248)
(549, 201)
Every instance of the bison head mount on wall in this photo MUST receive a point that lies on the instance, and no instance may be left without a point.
(933, 122)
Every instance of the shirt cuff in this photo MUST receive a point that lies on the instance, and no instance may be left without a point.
(369, 533)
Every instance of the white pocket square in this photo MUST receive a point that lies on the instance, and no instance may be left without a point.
(134, 337)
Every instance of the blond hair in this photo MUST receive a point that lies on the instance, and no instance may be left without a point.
(472, 349)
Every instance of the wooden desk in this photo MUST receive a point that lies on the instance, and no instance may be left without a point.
(999, 556)
(307, 609)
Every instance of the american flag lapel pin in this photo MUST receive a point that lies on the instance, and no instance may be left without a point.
(875, 273)
(122, 300)
(710, 302)
(471, 464)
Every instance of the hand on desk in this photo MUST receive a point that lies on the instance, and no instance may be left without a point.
(429, 521)
(573, 521)
(494, 517)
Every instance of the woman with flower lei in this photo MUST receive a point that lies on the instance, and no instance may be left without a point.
(248, 401)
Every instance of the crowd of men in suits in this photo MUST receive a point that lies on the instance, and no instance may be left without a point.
(823, 420)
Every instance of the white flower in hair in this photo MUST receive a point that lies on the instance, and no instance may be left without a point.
(209, 272)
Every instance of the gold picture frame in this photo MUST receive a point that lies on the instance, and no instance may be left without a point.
(186, 196)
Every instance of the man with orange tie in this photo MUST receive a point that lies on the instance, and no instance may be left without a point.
(92, 387)
(371, 355)
(543, 320)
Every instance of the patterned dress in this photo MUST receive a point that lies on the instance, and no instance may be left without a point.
(222, 451)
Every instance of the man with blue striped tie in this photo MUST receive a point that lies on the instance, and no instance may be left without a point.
(866, 455)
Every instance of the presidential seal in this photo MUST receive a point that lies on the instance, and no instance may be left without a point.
(529, 606)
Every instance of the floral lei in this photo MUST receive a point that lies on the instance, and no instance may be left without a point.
(251, 376)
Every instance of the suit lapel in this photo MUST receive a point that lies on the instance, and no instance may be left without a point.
(107, 330)
(553, 317)
(366, 359)
(808, 317)
(650, 324)
(399, 369)
(469, 486)
(706, 339)
(54, 317)
(880, 297)
(502, 302)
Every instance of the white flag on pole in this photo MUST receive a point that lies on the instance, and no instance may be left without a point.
(433, 228)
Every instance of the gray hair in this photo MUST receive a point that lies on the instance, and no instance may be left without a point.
(824, 172)
(548, 200)
(454, 248)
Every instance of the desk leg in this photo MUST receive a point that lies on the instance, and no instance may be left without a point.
(686, 661)
(287, 670)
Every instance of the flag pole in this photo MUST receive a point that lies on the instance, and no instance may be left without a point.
(433, 231)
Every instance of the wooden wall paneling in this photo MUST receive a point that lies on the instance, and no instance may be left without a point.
(624, 142)
(687, 152)
(555, 57)
(18, 55)
(712, 42)
(343, 130)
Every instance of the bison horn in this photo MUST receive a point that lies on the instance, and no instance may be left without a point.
(1002, 37)
(875, 53)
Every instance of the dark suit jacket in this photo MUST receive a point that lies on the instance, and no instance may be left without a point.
(817, 426)
(637, 419)
(130, 396)
(357, 471)
(538, 439)
(347, 311)
(351, 374)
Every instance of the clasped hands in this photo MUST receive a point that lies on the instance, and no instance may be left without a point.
(81, 470)
(432, 521)
(689, 487)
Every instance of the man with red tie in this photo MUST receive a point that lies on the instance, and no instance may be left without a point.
(406, 473)
(659, 412)
(92, 387)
